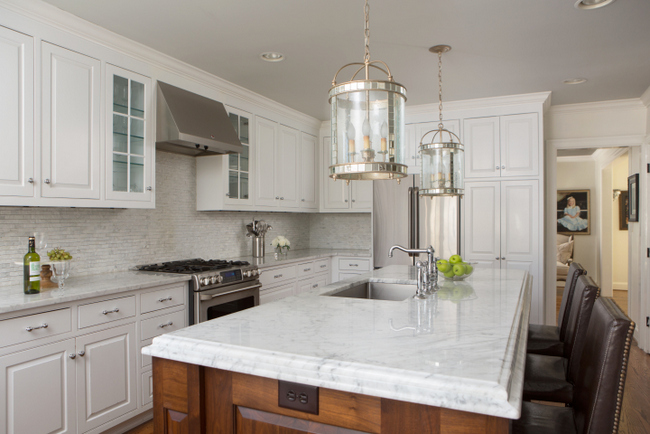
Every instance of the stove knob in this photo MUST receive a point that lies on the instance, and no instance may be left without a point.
(248, 273)
(256, 272)
(213, 279)
(219, 279)
(205, 281)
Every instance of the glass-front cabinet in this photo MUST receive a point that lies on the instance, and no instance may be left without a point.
(240, 165)
(129, 136)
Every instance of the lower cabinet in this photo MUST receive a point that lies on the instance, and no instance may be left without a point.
(344, 268)
(286, 280)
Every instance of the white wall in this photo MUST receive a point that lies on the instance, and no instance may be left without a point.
(581, 175)
(620, 243)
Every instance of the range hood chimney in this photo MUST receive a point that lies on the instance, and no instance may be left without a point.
(191, 124)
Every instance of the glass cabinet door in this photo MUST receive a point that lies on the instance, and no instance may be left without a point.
(128, 136)
(239, 164)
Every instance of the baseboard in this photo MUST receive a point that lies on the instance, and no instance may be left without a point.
(619, 286)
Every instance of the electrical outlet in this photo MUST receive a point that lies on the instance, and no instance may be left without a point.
(298, 397)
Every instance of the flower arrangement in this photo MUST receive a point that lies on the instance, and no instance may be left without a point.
(281, 242)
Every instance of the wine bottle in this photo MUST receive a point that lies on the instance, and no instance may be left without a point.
(32, 269)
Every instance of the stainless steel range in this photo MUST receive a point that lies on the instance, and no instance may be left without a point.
(217, 287)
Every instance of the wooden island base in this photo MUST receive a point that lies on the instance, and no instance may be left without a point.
(194, 399)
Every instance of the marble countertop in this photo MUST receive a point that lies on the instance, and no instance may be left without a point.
(463, 349)
(270, 259)
(13, 299)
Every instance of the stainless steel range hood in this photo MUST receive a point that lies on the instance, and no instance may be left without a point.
(191, 124)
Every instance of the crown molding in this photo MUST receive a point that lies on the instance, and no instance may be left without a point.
(479, 103)
(605, 157)
(620, 104)
(597, 142)
(52, 16)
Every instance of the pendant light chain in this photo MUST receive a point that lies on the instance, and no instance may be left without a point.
(440, 125)
(366, 58)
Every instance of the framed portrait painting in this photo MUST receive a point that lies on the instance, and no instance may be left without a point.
(633, 200)
(573, 212)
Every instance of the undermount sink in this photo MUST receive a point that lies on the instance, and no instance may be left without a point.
(378, 291)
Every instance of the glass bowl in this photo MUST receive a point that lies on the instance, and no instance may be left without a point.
(455, 277)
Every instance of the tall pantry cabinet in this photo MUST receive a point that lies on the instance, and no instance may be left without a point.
(502, 207)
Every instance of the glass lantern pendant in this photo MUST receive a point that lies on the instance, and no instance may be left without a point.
(367, 123)
(442, 154)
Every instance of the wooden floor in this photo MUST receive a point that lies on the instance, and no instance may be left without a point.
(635, 417)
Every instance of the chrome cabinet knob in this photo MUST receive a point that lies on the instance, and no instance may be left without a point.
(354, 200)
(302, 200)
(72, 355)
(497, 258)
(30, 180)
(346, 201)
(47, 181)
(277, 197)
(281, 198)
(149, 188)
(503, 259)
(81, 353)
(497, 167)
(503, 167)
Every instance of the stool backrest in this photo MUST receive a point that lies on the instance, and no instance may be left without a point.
(575, 270)
(598, 392)
(584, 297)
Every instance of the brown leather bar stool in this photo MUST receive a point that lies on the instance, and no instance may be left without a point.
(549, 340)
(596, 405)
(551, 378)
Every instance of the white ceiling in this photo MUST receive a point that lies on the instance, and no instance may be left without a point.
(500, 47)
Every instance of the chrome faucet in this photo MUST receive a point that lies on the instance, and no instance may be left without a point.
(428, 278)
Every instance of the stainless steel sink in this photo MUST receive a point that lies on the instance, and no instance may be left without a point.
(378, 291)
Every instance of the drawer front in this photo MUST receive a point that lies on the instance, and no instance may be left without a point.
(147, 388)
(277, 293)
(169, 296)
(355, 264)
(31, 327)
(106, 311)
(321, 266)
(319, 281)
(305, 270)
(273, 276)
(159, 325)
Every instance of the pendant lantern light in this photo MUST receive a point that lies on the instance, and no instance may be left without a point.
(443, 155)
(367, 122)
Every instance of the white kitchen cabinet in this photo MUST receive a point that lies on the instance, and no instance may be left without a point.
(225, 182)
(502, 146)
(308, 172)
(38, 388)
(265, 184)
(339, 196)
(70, 89)
(106, 375)
(287, 163)
(286, 280)
(344, 268)
(277, 292)
(130, 150)
(16, 114)
(413, 135)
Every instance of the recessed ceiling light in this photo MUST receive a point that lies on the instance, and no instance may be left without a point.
(592, 4)
(271, 56)
(575, 81)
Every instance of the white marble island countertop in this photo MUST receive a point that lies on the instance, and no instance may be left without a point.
(463, 349)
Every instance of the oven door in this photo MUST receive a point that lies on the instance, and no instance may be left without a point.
(216, 303)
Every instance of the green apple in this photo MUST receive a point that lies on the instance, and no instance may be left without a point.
(468, 268)
(455, 259)
(459, 269)
(443, 266)
(449, 274)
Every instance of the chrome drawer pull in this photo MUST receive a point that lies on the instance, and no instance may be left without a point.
(167, 324)
(323, 266)
(106, 312)
(306, 269)
(162, 300)
(277, 276)
(315, 285)
(353, 265)
(42, 326)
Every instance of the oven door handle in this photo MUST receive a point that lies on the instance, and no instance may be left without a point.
(206, 297)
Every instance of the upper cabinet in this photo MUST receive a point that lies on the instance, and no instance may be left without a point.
(224, 182)
(502, 146)
(16, 114)
(308, 172)
(70, 90)
(129, 136)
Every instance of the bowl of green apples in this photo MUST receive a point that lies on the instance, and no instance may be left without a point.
(455, 268)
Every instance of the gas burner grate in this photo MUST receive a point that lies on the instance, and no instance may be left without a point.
(192, 266)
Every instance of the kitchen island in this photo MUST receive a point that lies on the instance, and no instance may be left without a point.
(452, 363)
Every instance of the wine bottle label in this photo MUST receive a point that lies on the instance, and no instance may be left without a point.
(35, 278)
(35, 269)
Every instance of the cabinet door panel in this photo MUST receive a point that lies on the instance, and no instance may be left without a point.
(519, 145)
(308, 171)
(361, 195)
(106, 381)
(286, 169)
(265, 191)
(519, 220)
(481, 140)
(16, 113)
(334, 192)
(38, 390)
(249, 420)
(482, 222)
(71, 98)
